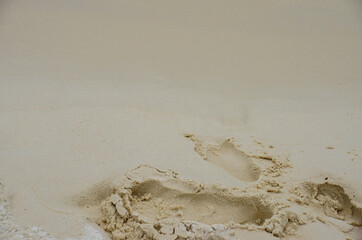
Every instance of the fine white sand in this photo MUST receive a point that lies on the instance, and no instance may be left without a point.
(239, 118)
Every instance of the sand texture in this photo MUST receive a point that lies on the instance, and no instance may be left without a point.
(180, 119)
(149, 203)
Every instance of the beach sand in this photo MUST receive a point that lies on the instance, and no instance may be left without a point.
(180, 119)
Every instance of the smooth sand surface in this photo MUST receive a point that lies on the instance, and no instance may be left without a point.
(90, 90)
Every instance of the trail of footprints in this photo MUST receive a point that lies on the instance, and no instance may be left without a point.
(148, 203)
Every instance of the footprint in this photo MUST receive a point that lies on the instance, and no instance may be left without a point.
(147, 195)
(332, 201)
(229, 158)
(206, 205)
(335, 202)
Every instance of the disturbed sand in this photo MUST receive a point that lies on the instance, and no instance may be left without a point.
(180, 120)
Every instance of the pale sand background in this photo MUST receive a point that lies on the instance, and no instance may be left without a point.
(91, 89)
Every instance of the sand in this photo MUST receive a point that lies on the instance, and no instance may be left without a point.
(149, 203)
(180, 119)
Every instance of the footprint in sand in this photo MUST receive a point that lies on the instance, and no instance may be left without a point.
(160, 202)
(331, 199)
(209, 205)
(229, 158)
